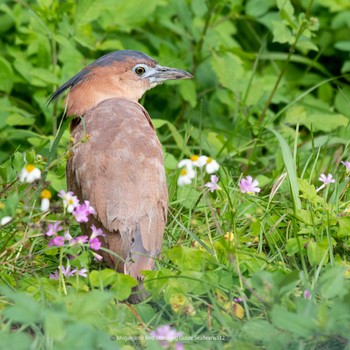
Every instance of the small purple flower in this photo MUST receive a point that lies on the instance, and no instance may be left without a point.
(347, 166)
(96, 232)
(68, 237)
(166, 335)
(82, 272)
(66, 271)
(326, 179)
(248, 185)
(81, 239)
(55, 275)
(237, 300)
(95, 243)
(213, 184)
(82, 211)
(57, 241)
(53, 228)
(307, 294)
(97, 257)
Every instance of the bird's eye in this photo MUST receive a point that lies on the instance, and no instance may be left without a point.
(140, 70)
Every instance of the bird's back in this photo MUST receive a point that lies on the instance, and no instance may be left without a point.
(117, 164)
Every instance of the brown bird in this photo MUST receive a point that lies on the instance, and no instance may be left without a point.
(117, 161)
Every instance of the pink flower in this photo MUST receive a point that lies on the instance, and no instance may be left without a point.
(96, 232)
(213, 184)
(53, 228)
(95, 243)
(82, 211)
(81, 239)
(307, 294)
(82, 272)
(248, 185)
(347, 165)
(57, 241)
(66, 271)
(97, 257)
(166, 335)
(55, 275)
(326, 179)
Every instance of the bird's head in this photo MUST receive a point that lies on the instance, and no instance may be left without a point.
(126, 74)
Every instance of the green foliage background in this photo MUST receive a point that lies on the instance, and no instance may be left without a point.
(270, 95)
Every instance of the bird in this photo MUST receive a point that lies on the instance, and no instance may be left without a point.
(116, 160)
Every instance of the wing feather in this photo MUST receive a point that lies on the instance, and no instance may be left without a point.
(120, 170)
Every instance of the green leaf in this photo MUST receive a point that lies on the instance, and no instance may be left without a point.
(119, 283)
(332, 283)
(290, 167)
(292, 246)
(123, 285)
(186, 258)
(295, 323)
(344, 227)
(88, 11)
(15, 341)
(317, 253)
(25, 308)
(188, 92)
(230, 71)
(20, 120)
(281, 33)
(54, 323)
(199, 7)
(343, 45)
(6, 76)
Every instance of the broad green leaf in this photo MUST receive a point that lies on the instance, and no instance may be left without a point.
(188, 92)
(187, 258)
(230, 71)
(344, 227)
(281, 33)
(317, 253)
(87, 11)
(15, 341)
(122, 286)
(20, 120)
(292, 246)
(6, 76)
(257, 8)
(343, 45)
(333, 284)
(292, 322)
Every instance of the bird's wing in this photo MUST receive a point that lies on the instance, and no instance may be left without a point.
(117, 164)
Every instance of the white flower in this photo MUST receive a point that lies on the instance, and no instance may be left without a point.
(45, 204)
(211, 165)
(185, 162)
(70, 201)
(5, 220)
(186, 176)
(45, 200)
(29, 174)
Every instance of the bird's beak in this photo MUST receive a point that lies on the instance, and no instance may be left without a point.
(161, 74)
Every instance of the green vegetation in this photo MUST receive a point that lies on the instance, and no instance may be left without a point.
(270, 99)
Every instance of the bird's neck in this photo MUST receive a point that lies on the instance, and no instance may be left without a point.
(87, 95)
